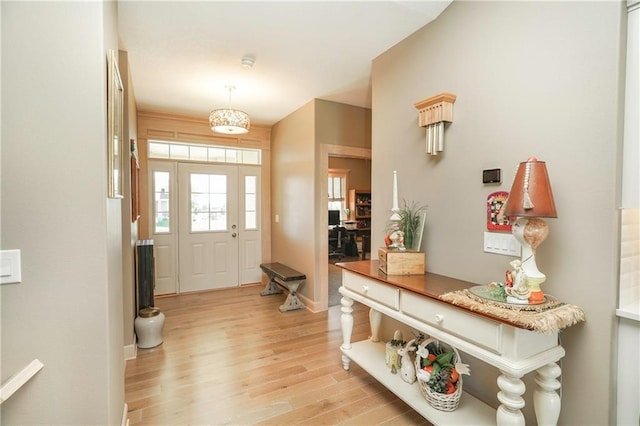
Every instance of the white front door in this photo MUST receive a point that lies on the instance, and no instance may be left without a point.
(205, 223)
(207, 226)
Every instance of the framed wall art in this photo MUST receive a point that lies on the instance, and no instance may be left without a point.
(115, 107)
(496, 220)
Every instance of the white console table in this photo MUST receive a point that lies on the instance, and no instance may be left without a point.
(413, 300)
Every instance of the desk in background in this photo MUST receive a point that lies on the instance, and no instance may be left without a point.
(365, 237)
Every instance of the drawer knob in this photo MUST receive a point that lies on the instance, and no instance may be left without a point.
(439, 317)
(365, 288)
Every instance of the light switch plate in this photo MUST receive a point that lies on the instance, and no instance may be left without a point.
(501, 243)
(10, 268)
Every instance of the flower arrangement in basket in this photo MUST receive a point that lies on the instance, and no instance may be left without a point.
(439, 373)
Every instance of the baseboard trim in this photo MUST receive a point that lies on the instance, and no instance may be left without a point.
(125, 416)
(308, 303)
(131, 351)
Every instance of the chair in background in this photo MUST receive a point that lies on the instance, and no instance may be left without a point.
(338, 238)
(366, 245)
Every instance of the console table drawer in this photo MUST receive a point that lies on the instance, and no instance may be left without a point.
(470, 327)
(381, 293)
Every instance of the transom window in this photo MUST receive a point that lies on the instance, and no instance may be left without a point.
(203, 153)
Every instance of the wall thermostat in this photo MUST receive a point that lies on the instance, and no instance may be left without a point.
(491, 176)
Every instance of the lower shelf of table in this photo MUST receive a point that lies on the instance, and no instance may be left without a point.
(471, 411)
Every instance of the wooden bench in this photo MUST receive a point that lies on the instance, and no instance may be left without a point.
(281, 275)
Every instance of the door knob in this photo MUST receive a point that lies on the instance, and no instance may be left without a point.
(234, 235)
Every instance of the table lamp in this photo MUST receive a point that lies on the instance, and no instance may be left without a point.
(529, 200)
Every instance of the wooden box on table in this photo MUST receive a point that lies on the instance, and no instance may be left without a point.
(394, 261)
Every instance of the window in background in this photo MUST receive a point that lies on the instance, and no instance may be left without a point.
(337, 189)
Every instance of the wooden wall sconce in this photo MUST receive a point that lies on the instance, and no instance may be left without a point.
(432, 113)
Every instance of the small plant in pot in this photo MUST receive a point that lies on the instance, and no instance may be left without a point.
(411, 214)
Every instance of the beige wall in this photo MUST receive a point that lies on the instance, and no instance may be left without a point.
(67, 311)
(532, 79)
(301, 144)
(292, 195)
(340, 124)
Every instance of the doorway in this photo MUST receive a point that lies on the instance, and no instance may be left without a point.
(326, 151)
(205, 225)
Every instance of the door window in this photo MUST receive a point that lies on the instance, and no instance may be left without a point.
(208, 202)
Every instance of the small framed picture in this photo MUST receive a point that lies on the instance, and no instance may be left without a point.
(115, 106)
(496, 219)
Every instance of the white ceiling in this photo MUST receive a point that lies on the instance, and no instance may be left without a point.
(182, 54)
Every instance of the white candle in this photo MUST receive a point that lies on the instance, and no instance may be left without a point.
(395, 191)
(395, 216)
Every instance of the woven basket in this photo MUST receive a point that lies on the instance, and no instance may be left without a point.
(440, 401)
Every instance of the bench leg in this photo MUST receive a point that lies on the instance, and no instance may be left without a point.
(292, 301)
(271, 287)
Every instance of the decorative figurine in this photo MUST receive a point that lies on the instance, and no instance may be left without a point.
(392, 360)
(519, 292)
(407, 369)
(395, 237)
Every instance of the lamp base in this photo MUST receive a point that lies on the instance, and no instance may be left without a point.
(536, 298)
(533, 284)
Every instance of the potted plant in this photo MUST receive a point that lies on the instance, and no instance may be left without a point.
(411, 219)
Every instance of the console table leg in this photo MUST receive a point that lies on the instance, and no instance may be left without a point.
(546, 400)
(346, 322)
(511, 401)
(375, 318)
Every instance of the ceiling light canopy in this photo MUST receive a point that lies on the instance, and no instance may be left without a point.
(229, 121)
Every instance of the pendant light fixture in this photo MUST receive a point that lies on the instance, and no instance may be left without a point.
(229, 121)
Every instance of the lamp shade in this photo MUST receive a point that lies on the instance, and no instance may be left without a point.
(531, 194)
(229, 121)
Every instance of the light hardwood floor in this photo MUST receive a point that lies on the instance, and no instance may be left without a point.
(230, 357)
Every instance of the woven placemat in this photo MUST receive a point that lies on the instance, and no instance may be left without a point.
(549, 317)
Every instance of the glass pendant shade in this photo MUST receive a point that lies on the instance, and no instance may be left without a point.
(229, 121)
